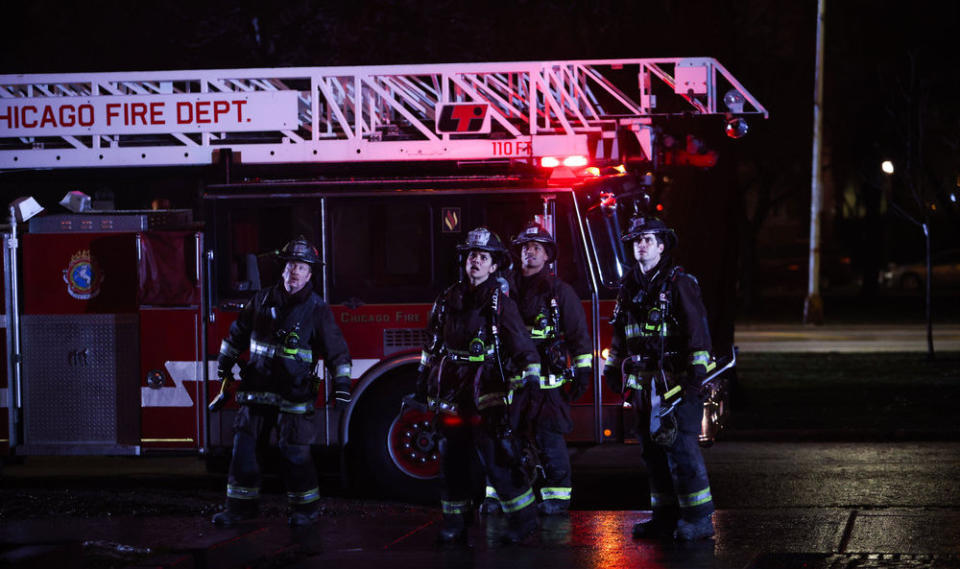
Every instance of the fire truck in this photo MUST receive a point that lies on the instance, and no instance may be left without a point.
(113, 316)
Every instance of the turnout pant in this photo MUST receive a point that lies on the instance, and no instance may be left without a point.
(678, 476)
(556, 465)
(295, 433)
(469, 436)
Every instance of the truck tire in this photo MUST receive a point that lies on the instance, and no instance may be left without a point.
(394, 454)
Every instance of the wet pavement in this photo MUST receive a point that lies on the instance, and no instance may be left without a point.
(746, 538)
(781, 505)
(854, 500)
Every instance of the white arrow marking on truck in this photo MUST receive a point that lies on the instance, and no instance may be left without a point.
(176, 396)
(183, 371)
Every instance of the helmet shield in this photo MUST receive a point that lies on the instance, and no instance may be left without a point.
(482, 239)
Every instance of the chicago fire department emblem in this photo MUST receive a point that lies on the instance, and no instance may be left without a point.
(83, 276)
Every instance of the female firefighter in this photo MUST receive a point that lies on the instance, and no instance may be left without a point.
(474, 327)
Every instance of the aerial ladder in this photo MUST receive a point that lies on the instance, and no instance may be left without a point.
(544, 113)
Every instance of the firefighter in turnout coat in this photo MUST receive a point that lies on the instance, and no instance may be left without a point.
(556, 324)
(658, 358)
(473, 328)
(287, 329)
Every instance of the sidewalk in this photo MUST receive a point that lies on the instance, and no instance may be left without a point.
(846, 338)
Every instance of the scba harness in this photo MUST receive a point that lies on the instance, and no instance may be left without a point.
(655, 389)
(483, 348)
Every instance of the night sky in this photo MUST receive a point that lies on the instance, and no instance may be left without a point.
(891, 80)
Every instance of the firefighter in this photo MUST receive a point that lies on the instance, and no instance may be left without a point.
(659, 356)
(473, 328)
(288, 330)
(555, 322)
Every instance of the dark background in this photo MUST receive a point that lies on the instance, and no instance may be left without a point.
(891, 78)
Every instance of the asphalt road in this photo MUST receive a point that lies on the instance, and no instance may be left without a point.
(840, 504)
(870, 498)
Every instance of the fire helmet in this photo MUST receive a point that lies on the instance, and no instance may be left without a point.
(300, 250)
(647, 224)
(536, 232)
(483, 239)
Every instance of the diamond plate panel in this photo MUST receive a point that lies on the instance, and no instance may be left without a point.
(80, 378)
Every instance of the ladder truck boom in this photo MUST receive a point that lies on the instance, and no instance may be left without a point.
(456, 111)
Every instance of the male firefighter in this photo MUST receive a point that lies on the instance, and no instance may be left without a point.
(473, 328)
(288, 329)
(555, 322)
(659, 356)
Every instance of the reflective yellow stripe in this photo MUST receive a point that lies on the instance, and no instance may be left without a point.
(242, 493)
(555, 493)
(227, 349)
(583, 360)
(695, 499)
(491, 399)
(455, 507)
(702, 358)
(551, 381)
(518, 503)
(660, 500)
(307, 497)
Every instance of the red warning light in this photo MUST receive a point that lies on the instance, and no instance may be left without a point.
(452, 420)
(659, 207)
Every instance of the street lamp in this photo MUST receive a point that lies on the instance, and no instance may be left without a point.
(887, 167)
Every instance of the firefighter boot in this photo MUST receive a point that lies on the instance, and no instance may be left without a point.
(236, 511)
(303, 515)
(659, 526)
(453, 529)
(491, 507)
(521, 525)
(553, 507)
(692, 531)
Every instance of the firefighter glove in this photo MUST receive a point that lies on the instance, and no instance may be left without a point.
(341, 392)
(614, 378)
(581, 382)
(315, 383)
(696, 387)
(225, 368)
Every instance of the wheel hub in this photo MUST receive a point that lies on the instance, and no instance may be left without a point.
(412, 444)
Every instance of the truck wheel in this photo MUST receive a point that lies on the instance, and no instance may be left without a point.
(395, 451)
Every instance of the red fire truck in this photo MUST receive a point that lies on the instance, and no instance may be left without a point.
(114, 316)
